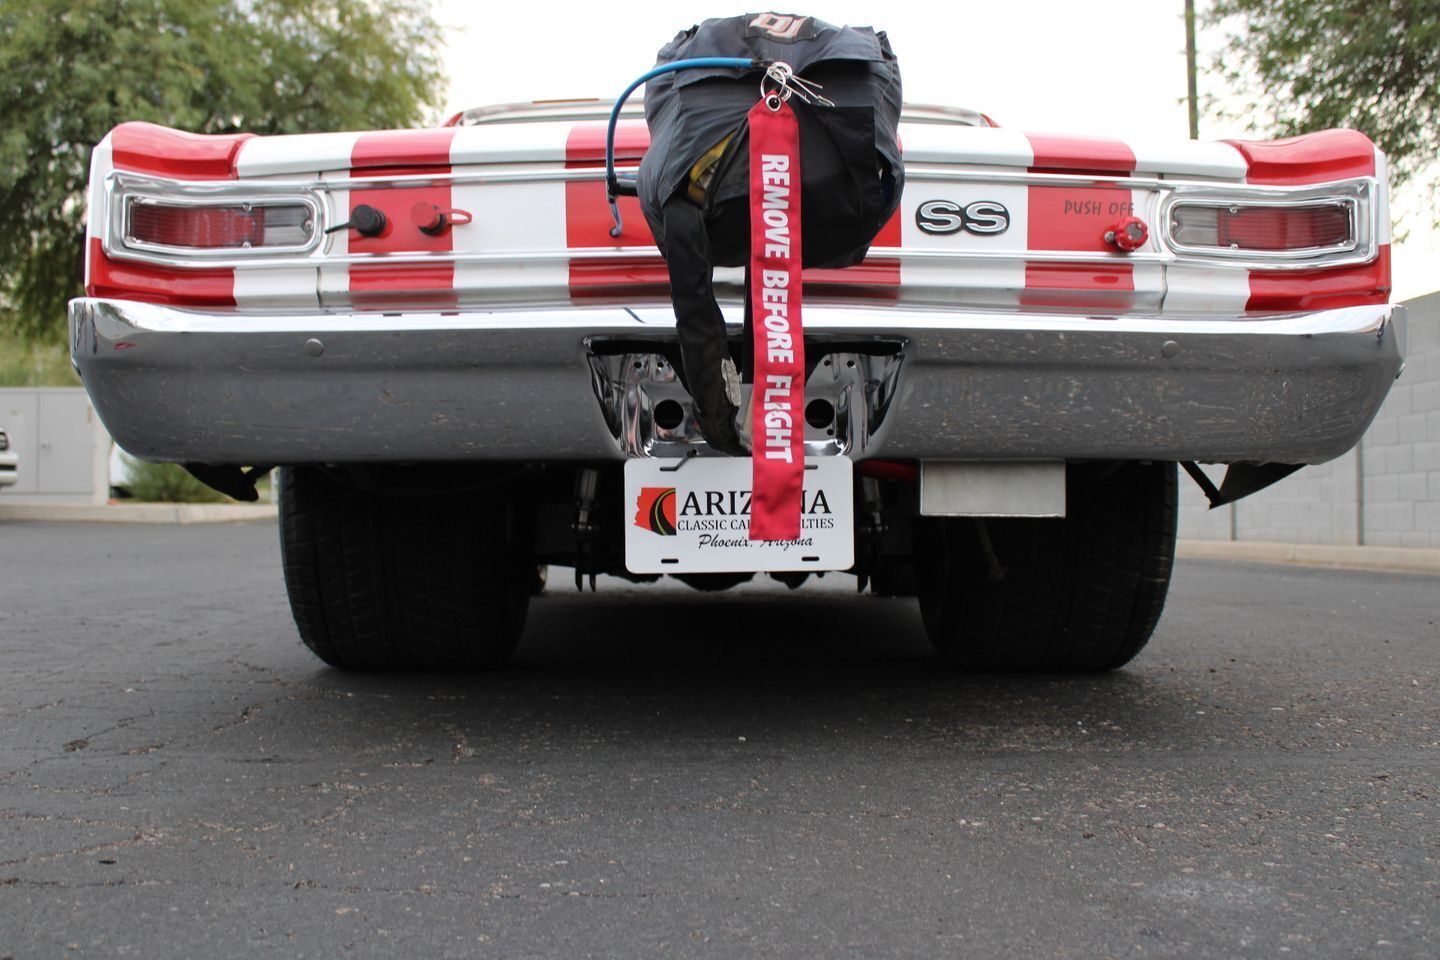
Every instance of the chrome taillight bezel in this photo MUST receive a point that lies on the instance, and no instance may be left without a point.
(1356, 196)
(126, 191)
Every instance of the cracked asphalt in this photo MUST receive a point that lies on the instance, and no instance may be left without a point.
(665, 773)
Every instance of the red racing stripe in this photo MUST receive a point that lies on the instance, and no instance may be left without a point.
(1098, 286)
(1075, 218)
(588, 221)
(585, 146)
(1312, 158)
(163, 152)
(402, 148)
(587, 213)
(401, 153)
(1355, 286)
(1058, 154)
(127, 280)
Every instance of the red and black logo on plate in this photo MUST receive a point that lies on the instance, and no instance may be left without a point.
(655, 510)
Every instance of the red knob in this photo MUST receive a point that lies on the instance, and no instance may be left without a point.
(1129, 234)
(427, 217)
(433, 220)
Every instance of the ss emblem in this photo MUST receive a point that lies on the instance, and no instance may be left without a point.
(983, 217)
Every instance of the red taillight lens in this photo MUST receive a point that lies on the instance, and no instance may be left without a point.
(219, 227)
(1323, 226)
(204, 227)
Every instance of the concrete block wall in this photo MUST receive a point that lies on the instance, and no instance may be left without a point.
(1386, 492)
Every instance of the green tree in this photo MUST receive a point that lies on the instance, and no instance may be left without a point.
(72, 69)
(1373, 65)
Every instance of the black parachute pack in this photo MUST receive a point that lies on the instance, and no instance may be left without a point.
(694, 183)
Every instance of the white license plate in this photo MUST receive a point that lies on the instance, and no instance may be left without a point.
(696, 519)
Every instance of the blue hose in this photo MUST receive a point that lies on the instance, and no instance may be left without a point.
(611, 181)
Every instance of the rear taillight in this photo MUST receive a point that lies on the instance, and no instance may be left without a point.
(1264, 228)
(216, 227)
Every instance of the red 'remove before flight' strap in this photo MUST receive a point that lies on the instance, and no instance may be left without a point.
(778, 404)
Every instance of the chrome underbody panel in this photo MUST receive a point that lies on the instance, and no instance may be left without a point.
(574, 383)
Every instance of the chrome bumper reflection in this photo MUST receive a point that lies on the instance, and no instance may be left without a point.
(576, 383)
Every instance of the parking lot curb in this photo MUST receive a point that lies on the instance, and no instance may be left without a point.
(1340, 557)
(183, 513)
(1388, 559)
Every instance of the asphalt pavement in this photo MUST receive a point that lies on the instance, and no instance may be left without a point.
(760, 773)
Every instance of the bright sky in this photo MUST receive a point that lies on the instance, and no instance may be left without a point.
(1115, 68)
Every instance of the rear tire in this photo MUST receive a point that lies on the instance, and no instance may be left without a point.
(1074, 595)
(380, 582)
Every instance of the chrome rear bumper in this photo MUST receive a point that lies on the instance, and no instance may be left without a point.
(574, 383)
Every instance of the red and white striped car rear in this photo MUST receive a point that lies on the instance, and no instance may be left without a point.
(995, 282)
(437, 335)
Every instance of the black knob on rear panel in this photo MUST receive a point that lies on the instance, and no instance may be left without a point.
(364, 220)
(367, 220)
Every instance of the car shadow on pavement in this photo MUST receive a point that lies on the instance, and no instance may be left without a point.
(675, 666)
